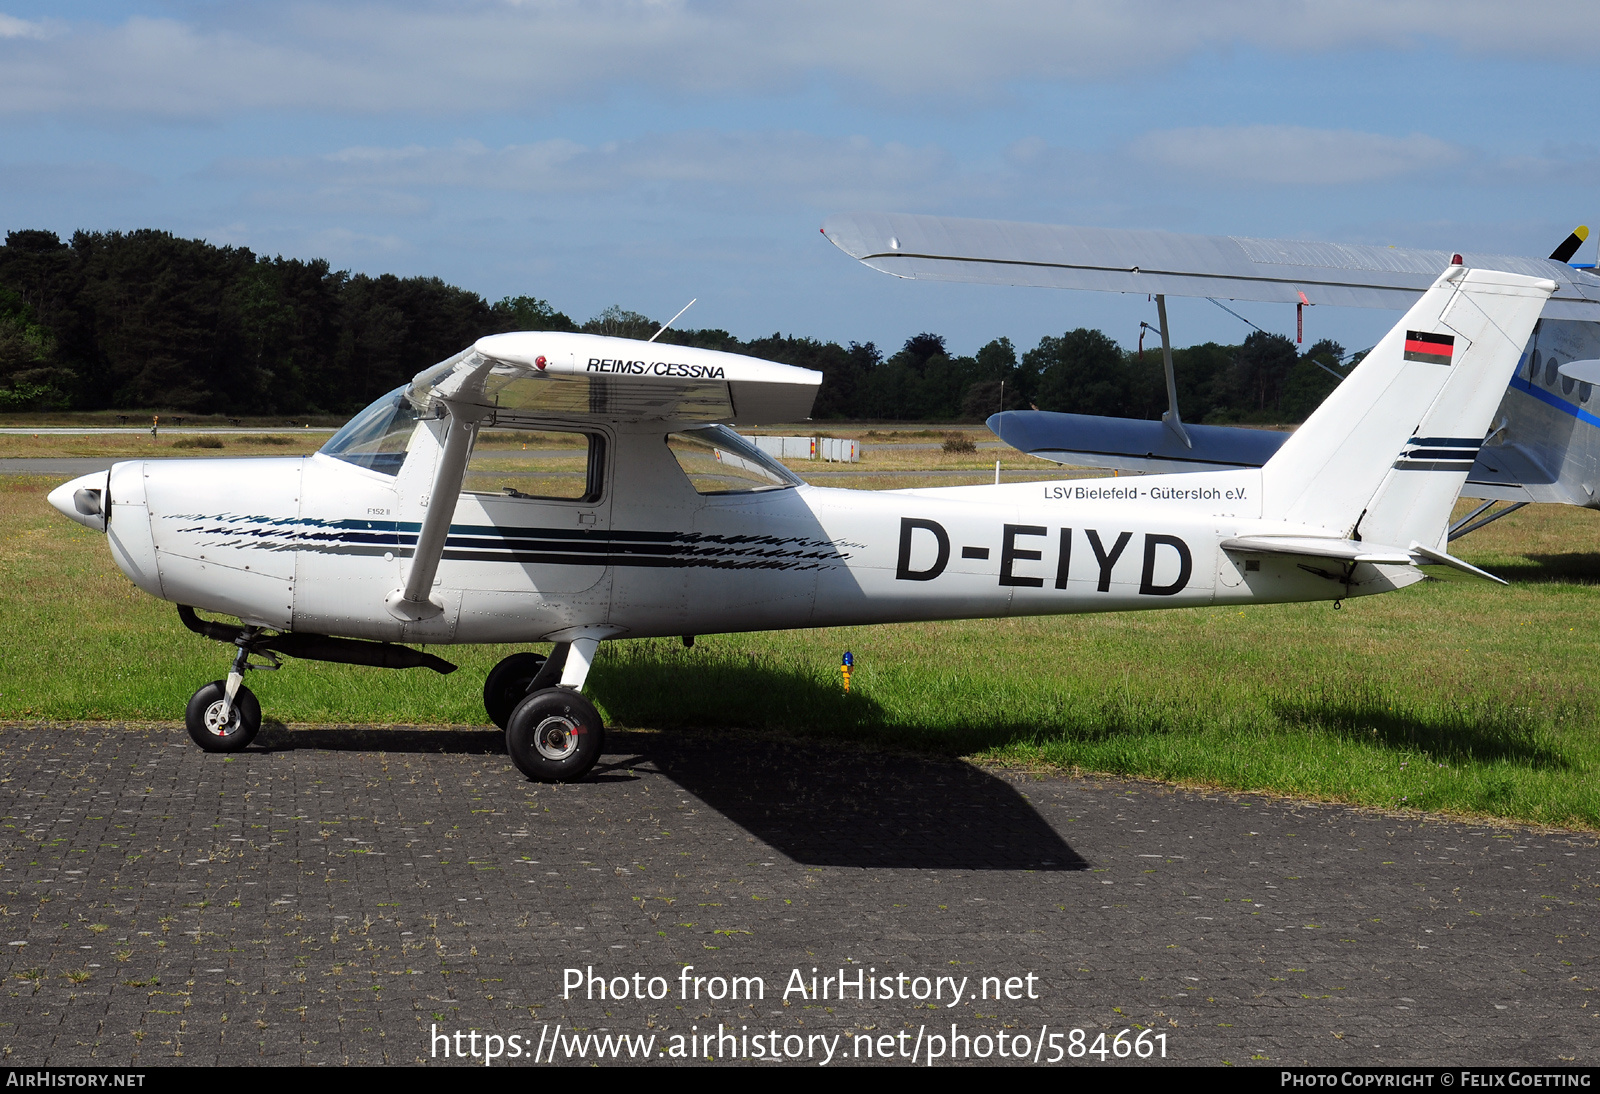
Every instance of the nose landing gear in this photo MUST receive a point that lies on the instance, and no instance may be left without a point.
(225, 716)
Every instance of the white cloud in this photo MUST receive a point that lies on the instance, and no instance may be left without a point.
(746, 169)
(342, 241)
(438, 56)
(1295, 155)
(12, 27)
(706, 173)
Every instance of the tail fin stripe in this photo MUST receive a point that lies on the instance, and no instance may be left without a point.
(1433, 465)
(1441, 453)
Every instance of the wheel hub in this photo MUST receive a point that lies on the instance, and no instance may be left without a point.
(556, 738)
(215, 722)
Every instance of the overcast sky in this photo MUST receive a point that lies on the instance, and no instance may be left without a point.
(642, 152)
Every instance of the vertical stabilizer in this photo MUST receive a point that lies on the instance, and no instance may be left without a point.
(1384, 457)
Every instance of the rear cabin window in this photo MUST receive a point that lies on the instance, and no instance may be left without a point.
(719, 461)
(536, 464)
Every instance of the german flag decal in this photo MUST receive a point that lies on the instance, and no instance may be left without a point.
(1432, 349)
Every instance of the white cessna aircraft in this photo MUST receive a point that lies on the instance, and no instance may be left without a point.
(1543, 443)
(681, 527)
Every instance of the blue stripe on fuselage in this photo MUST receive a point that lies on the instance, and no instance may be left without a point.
(1527, 388)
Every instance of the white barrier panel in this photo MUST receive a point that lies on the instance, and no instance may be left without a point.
(838, 450)
(833, 449)
(786, 448)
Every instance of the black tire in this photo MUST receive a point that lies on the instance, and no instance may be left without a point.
(555, 735)
(205, 706)
(507, 685)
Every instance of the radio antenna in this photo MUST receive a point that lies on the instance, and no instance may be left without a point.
(671, 321)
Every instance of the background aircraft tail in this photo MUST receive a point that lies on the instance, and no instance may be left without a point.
(1384, 457)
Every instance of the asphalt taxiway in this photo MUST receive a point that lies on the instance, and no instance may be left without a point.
(342, 895)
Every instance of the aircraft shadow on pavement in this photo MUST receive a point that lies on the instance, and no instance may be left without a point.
(818, 802)
(826, 805)
(277, 737)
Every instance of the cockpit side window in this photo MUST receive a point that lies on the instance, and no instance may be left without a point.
(377, 437)
(719, 461)
(537, 464)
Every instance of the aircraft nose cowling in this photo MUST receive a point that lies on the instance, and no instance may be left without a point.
(86, 499)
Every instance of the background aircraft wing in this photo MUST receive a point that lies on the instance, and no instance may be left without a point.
(998, 252)
(1510, 472)
(1500, 473)
(1130, 444)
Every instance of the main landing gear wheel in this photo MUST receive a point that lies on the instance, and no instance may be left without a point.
(507, 685)
(207, 727)
(555, 735)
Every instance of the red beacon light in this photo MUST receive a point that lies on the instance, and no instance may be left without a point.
(539, 362)
(1455, 260)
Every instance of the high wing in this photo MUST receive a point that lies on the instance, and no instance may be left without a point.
(994, 252)
(543, 375)
(538, 376)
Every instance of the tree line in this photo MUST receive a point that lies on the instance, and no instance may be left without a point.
(143, 319)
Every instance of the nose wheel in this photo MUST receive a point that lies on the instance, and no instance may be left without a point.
(218, 726)
(224, 716)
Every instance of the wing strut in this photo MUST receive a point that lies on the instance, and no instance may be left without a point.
(1173, 422)
(1468, 524)
(457, 395)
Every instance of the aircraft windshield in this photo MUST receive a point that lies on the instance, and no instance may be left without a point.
(377, 437)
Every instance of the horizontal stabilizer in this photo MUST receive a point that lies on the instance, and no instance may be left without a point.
(1434, 563)
(1131, 444)
(1336, 550)
(1287, 271)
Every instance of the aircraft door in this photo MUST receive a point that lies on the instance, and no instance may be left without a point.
(529, 546)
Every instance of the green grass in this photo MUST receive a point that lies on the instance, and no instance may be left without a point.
(1467, 698)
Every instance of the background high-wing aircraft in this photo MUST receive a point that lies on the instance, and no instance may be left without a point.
(1543, 444)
